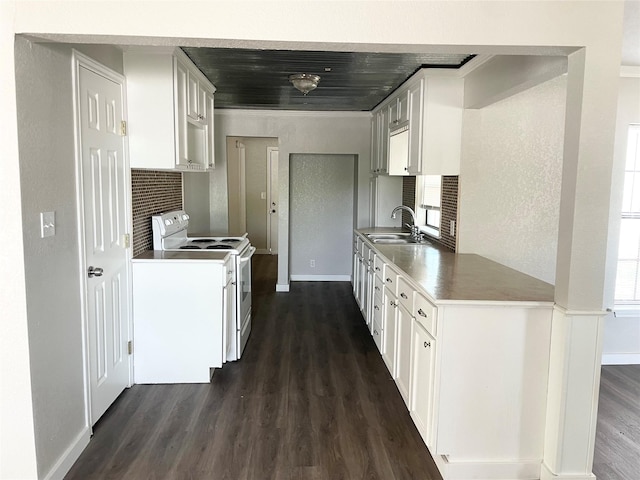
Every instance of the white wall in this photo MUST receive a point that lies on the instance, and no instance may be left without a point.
(195, 195)
(321, 216)
(510, 178)
(298, 132)
(621, 334)
(47, 175)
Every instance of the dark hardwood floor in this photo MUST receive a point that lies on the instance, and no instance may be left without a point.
(617, 452)
(310, 399)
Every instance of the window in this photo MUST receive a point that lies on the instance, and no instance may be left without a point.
(627, 278)
(428, 194)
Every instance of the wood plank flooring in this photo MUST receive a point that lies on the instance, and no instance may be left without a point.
(617, 450)
(310, 399)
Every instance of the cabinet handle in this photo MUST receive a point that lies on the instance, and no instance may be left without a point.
(393, 304)
(421, 313)
(377, 269)
(375, 332)
(427, 344)
(389, 280)
(377, 288)
(376, 307)
(403, 295)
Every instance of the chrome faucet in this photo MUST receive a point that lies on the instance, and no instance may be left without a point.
(415, 230)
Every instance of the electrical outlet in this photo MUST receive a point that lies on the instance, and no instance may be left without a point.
(312, 263)
(452, 228)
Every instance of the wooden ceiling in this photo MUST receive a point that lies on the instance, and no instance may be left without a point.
(259, 79)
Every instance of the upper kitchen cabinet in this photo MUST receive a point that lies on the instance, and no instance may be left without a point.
(434, 113)
(379, 141)
(170, 110)
(399, 109)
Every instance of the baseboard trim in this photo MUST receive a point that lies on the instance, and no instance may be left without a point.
(546, 474)
(452, 470)
(320, 278)
(70, 455)
(621, 359)
(282, 287)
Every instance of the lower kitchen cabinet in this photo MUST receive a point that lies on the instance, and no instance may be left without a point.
(403, 351)
(479, 399)
(422, 382)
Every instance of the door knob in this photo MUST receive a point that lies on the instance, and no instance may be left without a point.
(94, 272)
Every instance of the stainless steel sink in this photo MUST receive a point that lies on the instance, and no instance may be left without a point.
(388, 236)
(398, 241)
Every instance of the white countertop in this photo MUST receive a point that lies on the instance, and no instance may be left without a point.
(447, 276)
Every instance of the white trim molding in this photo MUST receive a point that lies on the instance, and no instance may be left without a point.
(630, 71)
(621, 359)
(282, 287)
(70, 455)
(572, 397)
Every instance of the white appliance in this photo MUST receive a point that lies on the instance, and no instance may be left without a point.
(170, 234)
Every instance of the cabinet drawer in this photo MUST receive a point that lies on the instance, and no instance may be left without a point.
(405, 294)
(425, 313)
(390, 279)
(378, 267)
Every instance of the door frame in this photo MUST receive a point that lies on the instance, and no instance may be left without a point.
(79, 60)
(272, 184)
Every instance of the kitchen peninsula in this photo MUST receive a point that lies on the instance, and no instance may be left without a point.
(467, 341)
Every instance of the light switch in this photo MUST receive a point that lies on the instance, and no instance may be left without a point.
(263, 195)
(47, 224)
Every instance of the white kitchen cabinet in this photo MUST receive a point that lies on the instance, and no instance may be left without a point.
(398, 108)
(473, 373)
(229, 320)
(380, 141)
(422, 382)
(390, 303)
(170, 110)
(178, 318)
(432, 106)
(403, 351)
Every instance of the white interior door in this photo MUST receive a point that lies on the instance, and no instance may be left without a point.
(272, 200)
(104, 187)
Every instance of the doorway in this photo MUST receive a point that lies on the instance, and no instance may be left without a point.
(252, 181)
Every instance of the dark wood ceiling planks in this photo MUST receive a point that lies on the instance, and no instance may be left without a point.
(350, 81)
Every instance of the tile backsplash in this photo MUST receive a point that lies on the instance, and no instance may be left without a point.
(152, 192)
(449, 208)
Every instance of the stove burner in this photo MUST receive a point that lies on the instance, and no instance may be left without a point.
(219, 247)
(230, 240)
(203, 240)
(190, 247)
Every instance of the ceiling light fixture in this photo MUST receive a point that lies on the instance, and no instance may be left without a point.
(305, 82)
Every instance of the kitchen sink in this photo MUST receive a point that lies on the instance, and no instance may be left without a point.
(398, 241)
(388, 236)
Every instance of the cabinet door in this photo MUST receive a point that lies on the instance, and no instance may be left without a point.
(383, 140)
(375, 152)
(203, 101)
(422, 382)
(193, 97)
(403, 107)
(210, 131)
(181, 107)
(394, 118)
(403, 355)
(389, 331)
(415, 128)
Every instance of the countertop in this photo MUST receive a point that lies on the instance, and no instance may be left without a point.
(185, 256)
(449, 277)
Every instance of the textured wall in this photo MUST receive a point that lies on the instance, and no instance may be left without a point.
(322, 216)
(510, 176)
(152, 192)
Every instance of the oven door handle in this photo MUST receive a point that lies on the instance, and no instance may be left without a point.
(246, 258)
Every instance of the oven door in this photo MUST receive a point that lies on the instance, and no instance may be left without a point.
(243, 272)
